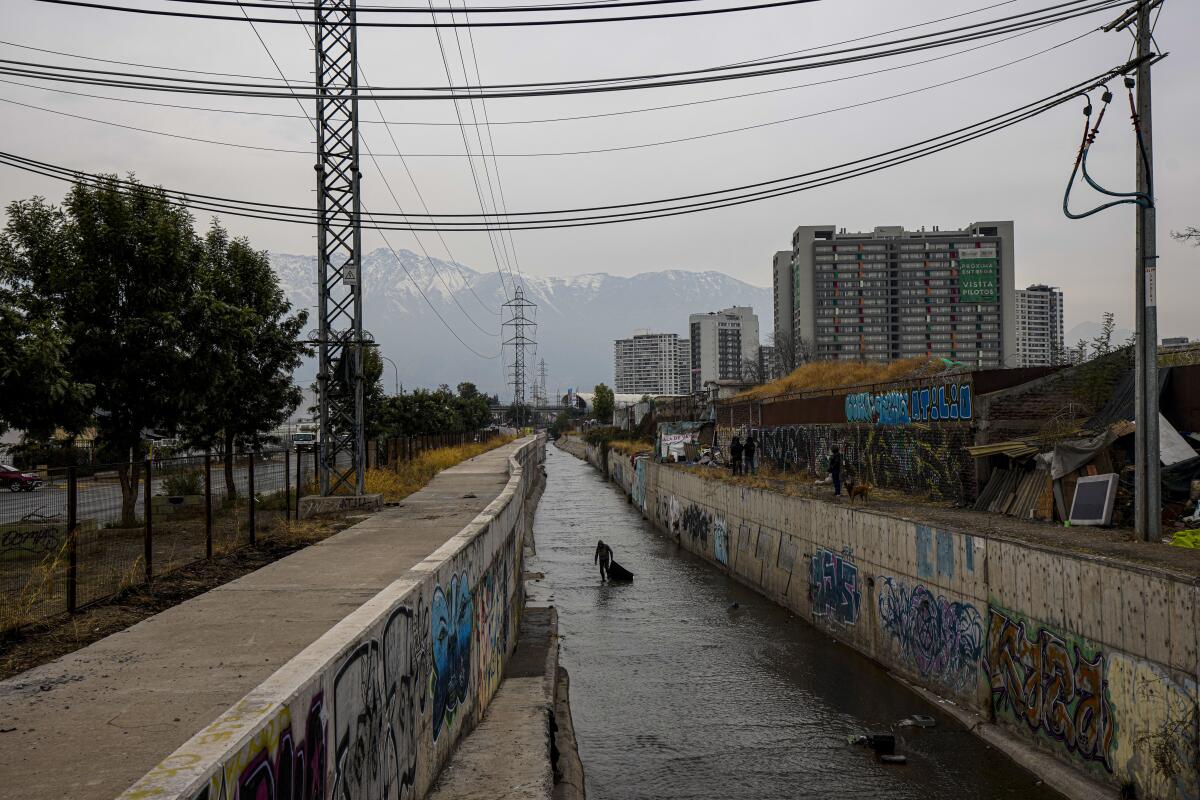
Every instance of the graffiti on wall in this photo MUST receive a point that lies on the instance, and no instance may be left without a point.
(918, 459)
(941, 639)
(945, 403)
(696, 522)
(833, 584)
(721, 542)
(379, 699)
(492, 625)
(639, 483)
(1052, 686)
(450, 636)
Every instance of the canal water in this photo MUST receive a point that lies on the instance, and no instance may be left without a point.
(675, 693)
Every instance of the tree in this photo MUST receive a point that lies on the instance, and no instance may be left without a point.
(115, 269)
(249, 346)
(790, 351)
(603, 403)
(752, 371)
(1190, 234)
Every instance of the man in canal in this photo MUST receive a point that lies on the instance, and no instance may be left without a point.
(835, 470)
(604, 557)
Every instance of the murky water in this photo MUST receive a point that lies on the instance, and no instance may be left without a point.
(675, 694)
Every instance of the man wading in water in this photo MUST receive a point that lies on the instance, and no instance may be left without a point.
(604, 557)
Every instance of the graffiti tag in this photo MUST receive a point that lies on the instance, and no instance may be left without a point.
(833, 584)
(940, 638)
(1050, 686)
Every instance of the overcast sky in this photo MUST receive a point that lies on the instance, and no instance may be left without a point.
(1018, 174)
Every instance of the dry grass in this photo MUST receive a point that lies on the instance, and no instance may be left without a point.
(39, 588)
(409, 476)
(629, 448)
(819, 375)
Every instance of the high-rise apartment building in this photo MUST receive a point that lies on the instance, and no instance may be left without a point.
(653, 364)
(1039, 321)
(722, 342)
(890, 293)
(781, 285)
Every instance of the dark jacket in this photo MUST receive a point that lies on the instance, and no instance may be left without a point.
(749, 448)
(835, 464)
(735, 450)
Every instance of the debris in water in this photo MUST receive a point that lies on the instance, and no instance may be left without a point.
(892, 759)
(923, 720)
(734, 606)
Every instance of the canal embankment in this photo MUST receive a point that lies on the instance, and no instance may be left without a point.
(1089, 660)
(349, 669)
(686, 683)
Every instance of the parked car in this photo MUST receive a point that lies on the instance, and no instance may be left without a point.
(18, 481)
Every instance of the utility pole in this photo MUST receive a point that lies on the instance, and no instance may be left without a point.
(1147, 466)
(520, 320)
(339, 249)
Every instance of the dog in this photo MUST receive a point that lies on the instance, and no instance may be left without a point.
(854, 490)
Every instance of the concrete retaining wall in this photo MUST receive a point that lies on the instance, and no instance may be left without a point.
(1092, 661)
(374, 707)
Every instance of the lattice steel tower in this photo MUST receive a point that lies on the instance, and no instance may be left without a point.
(520, 320)
(339, 249)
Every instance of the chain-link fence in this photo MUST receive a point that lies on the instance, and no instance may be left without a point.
(86, 533)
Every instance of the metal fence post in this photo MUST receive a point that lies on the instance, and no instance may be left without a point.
(208, 539)
(299, 482)
(250, 493)
(148, 546)
(72, 541)
(287, 485)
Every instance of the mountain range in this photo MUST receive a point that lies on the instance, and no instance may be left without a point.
(578, 317)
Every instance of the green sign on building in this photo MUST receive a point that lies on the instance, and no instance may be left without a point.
(978, 280)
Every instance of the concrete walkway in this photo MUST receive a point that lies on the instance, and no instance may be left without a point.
(91, 723)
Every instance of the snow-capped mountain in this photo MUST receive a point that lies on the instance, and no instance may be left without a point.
(578, 316)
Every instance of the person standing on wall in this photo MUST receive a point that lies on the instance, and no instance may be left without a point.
(835, 470)
(603, 557)
(735, 455)
(750, 454)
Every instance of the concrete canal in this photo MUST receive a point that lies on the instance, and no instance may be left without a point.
(685, 684)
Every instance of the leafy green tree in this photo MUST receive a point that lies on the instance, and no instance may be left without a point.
(249, 346)
(603, 403)
(115, 268)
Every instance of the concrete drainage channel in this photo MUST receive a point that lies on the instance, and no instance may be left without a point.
(353, 708)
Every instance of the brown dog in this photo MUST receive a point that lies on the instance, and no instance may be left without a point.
(862, 490)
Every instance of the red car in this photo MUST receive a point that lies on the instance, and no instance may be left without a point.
(18, 481)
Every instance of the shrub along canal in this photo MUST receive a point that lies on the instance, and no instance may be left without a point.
(685, 684)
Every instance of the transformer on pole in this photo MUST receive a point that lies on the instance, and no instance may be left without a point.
(339, 249)
(519, 319)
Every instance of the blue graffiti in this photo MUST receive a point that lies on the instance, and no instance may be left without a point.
(450, 631)
(941, 403)
(721, 542)
(889, 408)
(834, 587)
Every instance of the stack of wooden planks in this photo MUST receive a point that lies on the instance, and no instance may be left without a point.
(1026, 494)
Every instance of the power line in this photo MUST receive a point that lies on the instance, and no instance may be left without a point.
(525, 122)
(617, 148)
(471, 166)
(546, 120)
(641, 210)
(496, 24)
(382, 235)
(542, 89)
